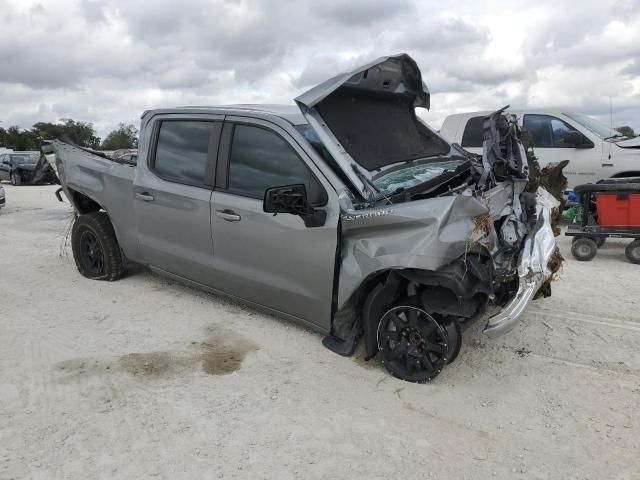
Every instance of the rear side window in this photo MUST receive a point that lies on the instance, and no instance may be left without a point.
(182, 150)
(261, 159)
(473, 133)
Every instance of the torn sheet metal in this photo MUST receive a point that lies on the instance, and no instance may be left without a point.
(424, 235)
(533, 266)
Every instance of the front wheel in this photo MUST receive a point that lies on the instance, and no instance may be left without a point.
(95, 247)
(413, 344)
(584, 249)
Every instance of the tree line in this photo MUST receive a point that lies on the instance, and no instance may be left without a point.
(81, 133)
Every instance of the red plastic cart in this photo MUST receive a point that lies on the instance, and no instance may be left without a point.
(610, 208)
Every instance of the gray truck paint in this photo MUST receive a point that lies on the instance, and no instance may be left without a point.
(275, 261)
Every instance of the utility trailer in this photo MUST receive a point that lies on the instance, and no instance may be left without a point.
(610, 209)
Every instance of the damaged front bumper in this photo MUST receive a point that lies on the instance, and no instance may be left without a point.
(533, 267)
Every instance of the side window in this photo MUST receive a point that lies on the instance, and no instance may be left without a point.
(182, 150)
(547, 131)
(560, 130)
(473, 135)
(261, 159)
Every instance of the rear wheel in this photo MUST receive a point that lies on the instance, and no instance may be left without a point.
(584, 249)
(413, 344)
(633, 251)
(95, 247)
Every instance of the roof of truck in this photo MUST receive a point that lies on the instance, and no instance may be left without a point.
(289, 112)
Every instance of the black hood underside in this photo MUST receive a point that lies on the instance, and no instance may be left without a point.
(377, 128)
(367, 116)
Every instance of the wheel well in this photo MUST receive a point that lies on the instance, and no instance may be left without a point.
(83, 203)
(458, 290)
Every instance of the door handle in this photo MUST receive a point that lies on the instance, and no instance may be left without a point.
(228, 215)
(144, 196)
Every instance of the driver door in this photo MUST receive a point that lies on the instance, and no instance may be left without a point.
(549, 143)
(272, 260)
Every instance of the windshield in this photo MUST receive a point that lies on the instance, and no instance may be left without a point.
(404, 178)
(593, 125)
(389, 182)
(25, 158)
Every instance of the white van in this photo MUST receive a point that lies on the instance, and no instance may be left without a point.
(595, 151)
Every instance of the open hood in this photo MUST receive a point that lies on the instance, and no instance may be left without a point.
(366, 118)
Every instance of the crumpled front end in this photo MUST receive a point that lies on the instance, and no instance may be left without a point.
(535, 266)
(432, 237)
(477, 245)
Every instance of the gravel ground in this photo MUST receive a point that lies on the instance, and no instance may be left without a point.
(147, 378)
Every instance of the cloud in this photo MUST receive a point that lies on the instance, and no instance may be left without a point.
(360, 12)
(106, 61)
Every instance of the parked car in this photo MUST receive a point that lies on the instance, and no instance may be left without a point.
(594, 151)
(2, 197)
(25, 167)
(125, 155)
(346, 213)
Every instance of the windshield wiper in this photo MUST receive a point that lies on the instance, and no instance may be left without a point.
(617, 135)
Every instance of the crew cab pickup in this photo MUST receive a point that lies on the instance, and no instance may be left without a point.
(344, 212)
(594, 151)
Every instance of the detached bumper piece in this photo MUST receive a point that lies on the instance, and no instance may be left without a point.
(533, 267)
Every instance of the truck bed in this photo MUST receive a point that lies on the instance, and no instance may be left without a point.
(108, 183)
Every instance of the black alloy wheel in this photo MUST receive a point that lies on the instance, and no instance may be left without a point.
(413, 345)
(91, 254)
(95, 247)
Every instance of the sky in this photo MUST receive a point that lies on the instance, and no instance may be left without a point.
(107, 61)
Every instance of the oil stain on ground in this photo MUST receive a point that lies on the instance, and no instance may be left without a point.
(221, 353)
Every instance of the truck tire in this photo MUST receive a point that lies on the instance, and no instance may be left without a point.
(633, 251)
(584, 249)
(414, 346)
(95, 247)
(16, 179)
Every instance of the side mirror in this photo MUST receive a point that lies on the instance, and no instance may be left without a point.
(578, 140)
(293, 199)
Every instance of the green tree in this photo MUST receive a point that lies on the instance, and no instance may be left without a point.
(81, 133)
(17, 139)
(125, 136)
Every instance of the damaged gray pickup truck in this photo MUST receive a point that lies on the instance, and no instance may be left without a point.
(345, 213)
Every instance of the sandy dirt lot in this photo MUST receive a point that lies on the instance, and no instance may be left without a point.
(145, 378)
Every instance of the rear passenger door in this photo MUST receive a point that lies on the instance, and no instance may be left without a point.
(272, 260)
(172, 194)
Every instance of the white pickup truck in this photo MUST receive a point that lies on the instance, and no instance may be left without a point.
(594, 150)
